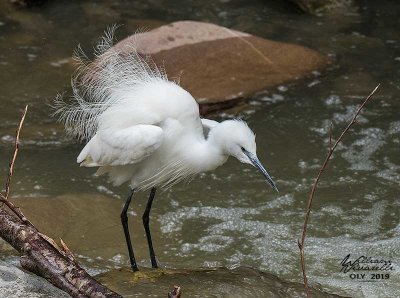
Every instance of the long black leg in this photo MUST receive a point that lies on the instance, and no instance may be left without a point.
(146, 220)
(124, 221)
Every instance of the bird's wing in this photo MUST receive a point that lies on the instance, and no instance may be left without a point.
(112, 147)
(208, 125)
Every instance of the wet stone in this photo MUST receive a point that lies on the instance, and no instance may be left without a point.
(15, 282)
(220, 66)
(210, 282)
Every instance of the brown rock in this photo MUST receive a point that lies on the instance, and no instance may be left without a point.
(220, 66)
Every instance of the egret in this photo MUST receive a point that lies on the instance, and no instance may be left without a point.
(143, 129)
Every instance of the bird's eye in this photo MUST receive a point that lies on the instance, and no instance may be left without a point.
(243, 149)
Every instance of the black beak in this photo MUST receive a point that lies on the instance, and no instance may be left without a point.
(254, 160)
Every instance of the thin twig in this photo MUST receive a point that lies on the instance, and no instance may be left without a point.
(11, 169)
(4, 198)
(314, 187)
(17, 211)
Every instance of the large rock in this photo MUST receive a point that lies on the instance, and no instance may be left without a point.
(240, 282)
(219, 65)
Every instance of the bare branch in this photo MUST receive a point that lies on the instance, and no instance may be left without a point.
(67, 252)
(42, 258)
(4, 198)
(10, 172)
(17, 211)
(314, 187)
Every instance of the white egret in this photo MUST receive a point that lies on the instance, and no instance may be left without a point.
(145, 130)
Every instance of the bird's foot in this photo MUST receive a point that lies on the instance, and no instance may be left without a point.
(154, 263)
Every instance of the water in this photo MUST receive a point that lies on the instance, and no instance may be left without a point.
(230, 217)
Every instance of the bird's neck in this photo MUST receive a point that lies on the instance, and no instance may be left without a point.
(206, 155)
(215, 153)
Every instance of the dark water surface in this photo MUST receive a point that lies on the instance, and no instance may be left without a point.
(230, 217)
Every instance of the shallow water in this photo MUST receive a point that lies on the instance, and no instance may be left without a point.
(229, 217)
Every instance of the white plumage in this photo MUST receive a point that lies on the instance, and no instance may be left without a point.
(142, 129)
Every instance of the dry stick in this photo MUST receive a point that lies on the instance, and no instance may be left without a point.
(42, 258)
(17, 211)
(4, 198)
(314, 187)
(10, 172)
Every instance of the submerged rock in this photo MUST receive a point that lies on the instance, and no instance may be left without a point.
(220, 66)
(212, 282)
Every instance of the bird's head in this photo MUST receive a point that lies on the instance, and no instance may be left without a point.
(239, 141)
